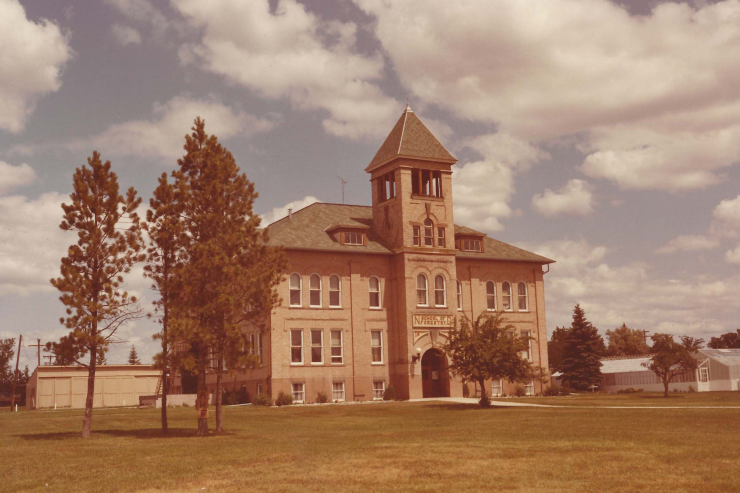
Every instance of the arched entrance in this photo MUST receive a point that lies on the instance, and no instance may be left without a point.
(435, 378)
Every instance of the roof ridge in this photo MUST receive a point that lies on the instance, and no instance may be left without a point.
(403, 128)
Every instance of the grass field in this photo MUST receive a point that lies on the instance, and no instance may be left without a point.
(416, 447)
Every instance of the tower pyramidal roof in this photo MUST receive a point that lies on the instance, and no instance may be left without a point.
(410, 138)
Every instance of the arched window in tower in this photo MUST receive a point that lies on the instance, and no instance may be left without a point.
(440, 291)
(428, 232)
(522, 297)
(295, 289)
(459, 296)
(506, 289)
(314, 290)
(421, 290)
(491, 296)
(374, 288)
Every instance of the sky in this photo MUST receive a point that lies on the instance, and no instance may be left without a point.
(604, 135)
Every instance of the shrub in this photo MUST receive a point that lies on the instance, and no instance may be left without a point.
(321, 398)
(283, 399)
(262, 400)
(231, 398)
(390, 393)
(552, 390)
(565, 390)
(629, 390)
(519, 390)
(466, 390)
(691, 388)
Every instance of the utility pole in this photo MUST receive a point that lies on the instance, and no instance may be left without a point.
(644, 335)
(38, 347)
(344, 182)
(15, 380)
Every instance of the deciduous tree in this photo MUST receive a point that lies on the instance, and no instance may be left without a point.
(7, 351)
(108, 244)
(669, 358)
(487, 349)
(583, 347)
(624, 341)
(729, 340)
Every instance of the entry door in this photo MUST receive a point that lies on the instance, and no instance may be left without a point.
(426, 382)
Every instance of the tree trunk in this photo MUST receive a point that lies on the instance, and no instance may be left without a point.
(87, 419)
(219, 395)
(202, 422)
(665, 384)
(165, 371)
(484, 400)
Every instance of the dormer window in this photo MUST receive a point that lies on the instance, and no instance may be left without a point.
(386, 186)
(471, 245)
(354, 239)
(426, 183)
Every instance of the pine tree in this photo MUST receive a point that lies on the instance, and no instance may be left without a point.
(133, 356)
(555, 347)
(7, 352)
(163, 261)
(108, 244)
(229, 275)
(583, 347)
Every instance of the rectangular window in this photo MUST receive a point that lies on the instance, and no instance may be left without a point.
(417, 234)
(259, 348)
(296, 347)
(378, 390)
(353, 239)
(704, 374)
(314, 291)
(529, 388)
(317, 347)
(299, 392)
(496, 387)
(376, 345)
(336, 347)
(252, 345)
(527, 353)
(259, 388)
(441, 237)
(428, 234)
(337, 391)
(335, 292)
(471, 245)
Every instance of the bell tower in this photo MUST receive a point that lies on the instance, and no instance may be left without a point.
(411, 177)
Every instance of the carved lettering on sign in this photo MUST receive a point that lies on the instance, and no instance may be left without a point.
(429, 260)
(434, 320)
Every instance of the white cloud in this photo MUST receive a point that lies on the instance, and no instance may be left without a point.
(483, 189)
(15, 176)
(32, 56)
(280, 212)
(733, 256)
(144, 12)
(125, 35)
(655, 99)
(574, 198)
(688, 243)
(163, 135)
(292, 53)
(633, 293)
(31, 243)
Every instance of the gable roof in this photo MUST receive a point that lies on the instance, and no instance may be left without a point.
(410, 138)
(308, 229)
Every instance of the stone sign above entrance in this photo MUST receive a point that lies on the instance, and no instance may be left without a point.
(434, 320)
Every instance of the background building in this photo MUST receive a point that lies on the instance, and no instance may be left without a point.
(372, 291)
(66, 386)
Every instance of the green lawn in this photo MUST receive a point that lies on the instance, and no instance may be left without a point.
(642, 399)
(415, 447)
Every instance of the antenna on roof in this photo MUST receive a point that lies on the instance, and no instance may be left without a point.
(408, 106)
(344, 182)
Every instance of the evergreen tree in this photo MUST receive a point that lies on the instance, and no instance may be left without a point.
(555, 347)
(583, 347)
(486, 349)
(229, 276)
(108, 243)
(624, 341)
(133, 356)
(7, 351)
(163, 261)
(669, 358)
